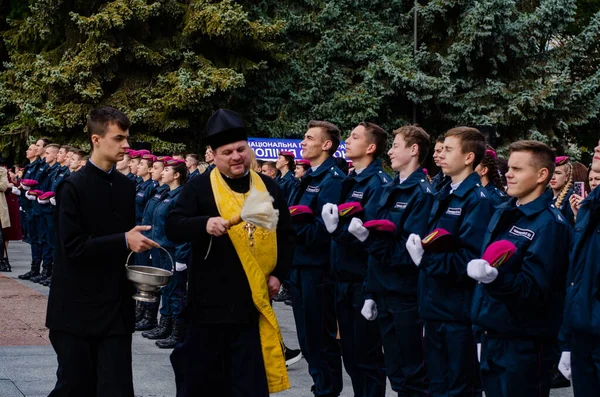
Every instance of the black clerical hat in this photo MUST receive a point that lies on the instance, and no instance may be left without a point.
(224, 127)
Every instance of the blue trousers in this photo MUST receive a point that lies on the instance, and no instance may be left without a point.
(174, 295)
(451, 360)
(24, 228)
(585, 365)
(361, 342)
(402, 335)
(516, 367)
(313, 292)
(34, 237)
(49, 237)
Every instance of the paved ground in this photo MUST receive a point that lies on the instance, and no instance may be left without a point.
(28, 363)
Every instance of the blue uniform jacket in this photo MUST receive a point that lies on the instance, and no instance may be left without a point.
(565, 207)
(439, 181)
(159, 195)
(315, 189)
(445, 289)
(497, 196)
(28, 173)
(582, 303)
(526, 299)
(46, 186)
(286, 183)
(193, 174)
(41, 173)
(143, 192)
(132, 177)
(408, 205)
(164, 207)
(348, 257)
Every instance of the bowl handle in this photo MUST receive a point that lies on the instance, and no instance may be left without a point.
(166, 252)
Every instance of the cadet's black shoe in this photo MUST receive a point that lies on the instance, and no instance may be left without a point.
(288, 302)
(558, 379)
(34, 272)
(292, 356)
(4, 265)
(173, 339)
(149, 320)
(44, 274)
(139, 311)
(282, 296)
(46, 282)
(162, 331)
(7, 264)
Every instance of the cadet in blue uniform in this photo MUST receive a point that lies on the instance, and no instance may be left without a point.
(146, 313)
(145, 189)
(439, 180)
(285, 165)
(174, 295)
(519, 304)
(562, 187)
(360, 340)
(313, 288)
(445, 291)
(26, 204)
(209, 157)
(491, 179)
(392, 281)
(581, 328)
(46, 214)
(136, 157)
(191, 162)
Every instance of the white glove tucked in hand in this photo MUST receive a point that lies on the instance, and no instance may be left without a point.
(53, 201)
(564, 366)
(25, 187)
(480, 270)
(330, 216)
(15, 190)
(358, 230)
(415, 248)
(369, 310)
(39, 200)
(30, 197)
(180, 266)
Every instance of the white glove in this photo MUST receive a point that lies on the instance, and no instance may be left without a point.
(369, 310)
(53, 201)
(180, 266)
(358, 230)
(39, 200)
(30, 197)
(564, 366)
(480, 270)
(415, 248)
(15, 190)
(25, 187)
(330, 216)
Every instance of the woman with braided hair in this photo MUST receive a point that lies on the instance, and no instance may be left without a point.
(491, 179)
(562, 187)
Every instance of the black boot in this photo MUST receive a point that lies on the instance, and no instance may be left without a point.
(173, 339)
(7, 264)
(49, 268)
(139, 311)
(3, 265)
(42, 275)
(149, 321)
(46, 282)
(34, 272)
(162, 331)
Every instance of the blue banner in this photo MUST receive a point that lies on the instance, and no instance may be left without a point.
(268, 148)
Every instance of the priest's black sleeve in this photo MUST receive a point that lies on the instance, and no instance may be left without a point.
(285, 237)
(187, 221)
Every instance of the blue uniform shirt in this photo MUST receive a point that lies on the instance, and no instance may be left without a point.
(497, 196)
(526, 299)
(143, 192)
(445, 289)
(348, 256)
(582, 303)
(407, 205)
(164, 207)
(315, 190)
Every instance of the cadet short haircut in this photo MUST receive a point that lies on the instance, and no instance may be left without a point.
(194, 157)
(46, 141)
(331, 131)
(471, 141)
(377, 135)
(53, 145)
(413, 134)
(542, 155)
(440, 139)
(66, 147)
(99, 119)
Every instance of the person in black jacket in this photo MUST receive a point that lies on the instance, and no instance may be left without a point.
(221, 346)
(90, 310)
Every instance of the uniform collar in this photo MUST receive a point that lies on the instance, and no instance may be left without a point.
(417, 176)
(369, 171)
(466, 186)
(174, 192)
(532, 208)
(324, 167)
(146, 182)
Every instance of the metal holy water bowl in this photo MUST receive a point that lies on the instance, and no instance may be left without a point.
(148, 280)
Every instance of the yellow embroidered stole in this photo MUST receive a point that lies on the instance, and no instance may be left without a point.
(257, 249)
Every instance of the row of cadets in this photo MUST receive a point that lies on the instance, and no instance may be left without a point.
(312, 286)
(360, 338)
(580, 335)
(392, 280)
(439, 180)
(519, 302)
(146, 313)
(491, 178)
(191, 162)
(145, 187)
(174, 296)
(286, 165)
(445, 291)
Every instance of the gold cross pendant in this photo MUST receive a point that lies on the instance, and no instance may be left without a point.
(250, 228)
